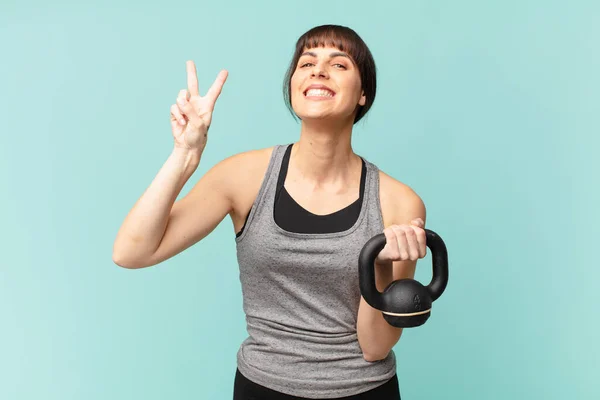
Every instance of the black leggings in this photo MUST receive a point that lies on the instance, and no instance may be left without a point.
(245, 389)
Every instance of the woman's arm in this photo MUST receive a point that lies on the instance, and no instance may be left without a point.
(157, 228)
(400, 205)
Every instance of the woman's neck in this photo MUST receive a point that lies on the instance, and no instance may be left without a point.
(324, 157)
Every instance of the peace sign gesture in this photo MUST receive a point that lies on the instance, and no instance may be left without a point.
(192, 114)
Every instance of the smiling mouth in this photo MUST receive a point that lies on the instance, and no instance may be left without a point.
(319, 93)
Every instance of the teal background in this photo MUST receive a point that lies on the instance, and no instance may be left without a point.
(489, 110)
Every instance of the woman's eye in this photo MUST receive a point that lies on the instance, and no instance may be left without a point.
(335, 65)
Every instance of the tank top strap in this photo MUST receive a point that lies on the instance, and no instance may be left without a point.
(267, 190)
(369, 219)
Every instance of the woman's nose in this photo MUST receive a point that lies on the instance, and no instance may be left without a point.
(319, 71)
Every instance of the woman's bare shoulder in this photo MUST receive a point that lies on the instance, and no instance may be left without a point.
(399, 201)
(246, 164)
(256, 155)
(244, 173)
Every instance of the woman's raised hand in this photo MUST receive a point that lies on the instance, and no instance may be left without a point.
(191, 115)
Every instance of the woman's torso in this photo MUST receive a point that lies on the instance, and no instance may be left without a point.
(301, 289)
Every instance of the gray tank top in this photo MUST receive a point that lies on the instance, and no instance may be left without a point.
(301, 297)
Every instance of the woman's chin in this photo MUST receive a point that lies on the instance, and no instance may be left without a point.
(315, 117)
(319, 117)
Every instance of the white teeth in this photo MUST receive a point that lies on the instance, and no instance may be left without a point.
(319, 93)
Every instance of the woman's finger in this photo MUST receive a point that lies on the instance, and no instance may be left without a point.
(217, 86)
(192, 78)
(390, 250)
(411, 239)
(176, 115)
(422, 241)
(186, 108)
(403, 245)
(418, 222)
(183, 95)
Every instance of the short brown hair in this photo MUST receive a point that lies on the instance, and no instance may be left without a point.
(346, 40)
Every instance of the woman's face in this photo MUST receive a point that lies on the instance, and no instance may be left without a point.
(326, 84)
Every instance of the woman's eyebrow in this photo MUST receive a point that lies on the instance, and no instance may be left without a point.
(331, 55)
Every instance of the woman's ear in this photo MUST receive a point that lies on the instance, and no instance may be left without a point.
(363, 100)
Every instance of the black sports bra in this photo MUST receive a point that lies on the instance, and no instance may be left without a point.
(292, 217)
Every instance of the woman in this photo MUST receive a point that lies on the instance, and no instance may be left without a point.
(301, 214)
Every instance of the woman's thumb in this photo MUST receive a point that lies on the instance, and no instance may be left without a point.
(418, 222)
